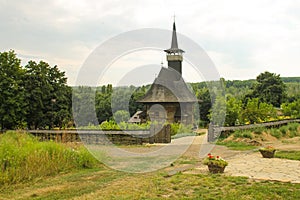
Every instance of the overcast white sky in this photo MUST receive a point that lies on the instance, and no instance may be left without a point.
(243, 38)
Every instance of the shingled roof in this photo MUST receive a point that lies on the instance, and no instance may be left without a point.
(168, 87)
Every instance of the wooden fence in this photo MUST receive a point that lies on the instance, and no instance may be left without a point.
(215, 131)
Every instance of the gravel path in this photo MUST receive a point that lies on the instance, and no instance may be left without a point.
(246, 163)
(252, 165)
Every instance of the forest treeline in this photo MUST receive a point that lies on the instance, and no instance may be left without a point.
(36, 96)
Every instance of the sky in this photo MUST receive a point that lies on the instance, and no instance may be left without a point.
(242, 38)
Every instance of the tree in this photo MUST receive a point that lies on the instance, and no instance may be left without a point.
(291, 109)
(83, 100)
(103, 103)
(48, 96)
(12, 93)
(61, 98)
(204, 104)
(256, 112)
(233, 111)
(137, 94)
(269, 89)
(121, 116)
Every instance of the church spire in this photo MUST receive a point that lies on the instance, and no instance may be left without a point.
(174, 44)
(174, 54)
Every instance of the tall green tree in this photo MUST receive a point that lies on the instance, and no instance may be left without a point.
(269, 89)
(84, 102)
(12, 93)
(103, 101)
(48, 96)
(137, 94)
(204, 104)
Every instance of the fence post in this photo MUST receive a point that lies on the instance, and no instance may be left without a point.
(167, 133)
(210, 133)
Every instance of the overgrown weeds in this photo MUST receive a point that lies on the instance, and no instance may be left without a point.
(23, 157)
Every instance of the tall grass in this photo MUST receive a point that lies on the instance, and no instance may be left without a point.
(243, 134)
(23, 157)
(290, 130)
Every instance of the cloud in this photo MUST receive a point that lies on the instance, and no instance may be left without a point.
(242, 37)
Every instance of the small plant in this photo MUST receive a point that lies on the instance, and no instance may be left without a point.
(268, 148)
(267, 152)
(215, 160)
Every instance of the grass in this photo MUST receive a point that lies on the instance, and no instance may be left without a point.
(288, 131)
(275, 133)
(185, 160)
(108, 184)
(291, 155)
(291, 130)
(234, 145)
(243, 134)
(76, 181)
(23, 158)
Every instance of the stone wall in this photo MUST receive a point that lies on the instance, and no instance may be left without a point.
(126, 137)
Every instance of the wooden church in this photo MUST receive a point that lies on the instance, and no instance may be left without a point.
(169, 99)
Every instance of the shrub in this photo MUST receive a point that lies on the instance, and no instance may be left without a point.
(180, 128)
(112, 125)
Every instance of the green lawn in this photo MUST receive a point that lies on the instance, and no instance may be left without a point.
(233, 145)
(75, 175)
(104, 183)
(291, 155)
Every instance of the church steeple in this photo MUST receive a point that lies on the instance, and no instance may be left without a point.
(174, 44)
(174, 54)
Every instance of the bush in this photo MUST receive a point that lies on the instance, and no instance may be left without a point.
(23, 157)
(112, 125)
(180, 128)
